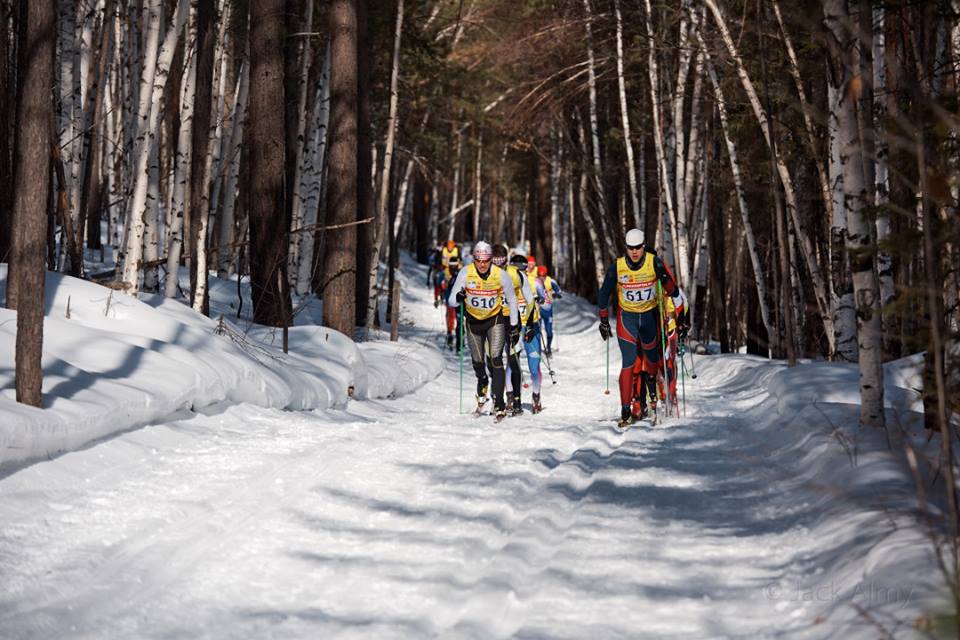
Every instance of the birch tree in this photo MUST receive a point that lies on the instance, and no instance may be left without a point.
(638, 218)
(869, 336)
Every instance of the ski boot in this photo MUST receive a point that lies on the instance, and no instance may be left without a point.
(638, 409)
(516, 408)
(450, 341)
(482, 400)
(626, 417)
(537, 407)
(500, 415)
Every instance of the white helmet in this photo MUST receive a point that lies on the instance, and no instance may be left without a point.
(482, 251)
(634, 238)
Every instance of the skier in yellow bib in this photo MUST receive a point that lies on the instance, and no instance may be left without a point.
(634, 279)
(485, 289)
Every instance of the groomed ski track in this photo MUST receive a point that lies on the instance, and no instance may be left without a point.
(404, 518)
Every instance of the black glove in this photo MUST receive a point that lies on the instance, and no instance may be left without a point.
(533, 330)
(461, 296)
(514, 334)
(557, 296)
(605, 331)
(683, 324)
(539, 299)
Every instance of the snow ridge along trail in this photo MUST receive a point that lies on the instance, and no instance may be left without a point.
(403, 519)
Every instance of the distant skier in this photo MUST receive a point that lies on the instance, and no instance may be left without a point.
(452, 317)
(551, 292)
(634, 278)
(485, 290)
(433, 265)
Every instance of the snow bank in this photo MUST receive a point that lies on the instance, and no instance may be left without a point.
(112, 363)
(857, 570)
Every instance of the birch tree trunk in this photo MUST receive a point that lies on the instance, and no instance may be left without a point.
(638, 218)
(845, 313)
(181, 180)
(882, 177)
(200, 158)
(313, 174)
(809, 255)
(663, 179)
(381, 214)
(477, 186)
(294, 257)
(454, 198)
(866, 292)
(595, 136)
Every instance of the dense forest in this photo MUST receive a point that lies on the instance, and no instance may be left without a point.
(794, 163)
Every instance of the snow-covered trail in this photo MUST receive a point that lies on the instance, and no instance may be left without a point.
(402, 518)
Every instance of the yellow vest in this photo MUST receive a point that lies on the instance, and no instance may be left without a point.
(484, 295)
(637, 290)
(548, 290)
(445, 256)
(522, 303)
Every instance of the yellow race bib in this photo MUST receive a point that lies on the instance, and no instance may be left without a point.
(637, 289)
(484, 295)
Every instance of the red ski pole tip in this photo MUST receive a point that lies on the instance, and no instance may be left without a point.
(607, 392)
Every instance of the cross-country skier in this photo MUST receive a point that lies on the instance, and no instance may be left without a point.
(485, 290)
(551, 292)
(634, 278)
(530, 328)
(452, 317)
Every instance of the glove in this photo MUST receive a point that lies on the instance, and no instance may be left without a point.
(533, 330)
(605, 331)
(461, 296)
(683, 324)
(557, 296)
(539, 299)
(514, 333)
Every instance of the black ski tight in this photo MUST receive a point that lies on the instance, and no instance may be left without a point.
(488, 337)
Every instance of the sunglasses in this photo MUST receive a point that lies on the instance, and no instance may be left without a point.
(481, 261)
(636, 248)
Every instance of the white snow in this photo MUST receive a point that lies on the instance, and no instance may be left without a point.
(279, 507)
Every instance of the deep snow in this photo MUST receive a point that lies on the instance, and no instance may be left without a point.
(764, 512)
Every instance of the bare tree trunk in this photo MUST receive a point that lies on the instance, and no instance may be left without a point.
(380, 217)
(595, 136)
(866, 292)
(200, 169)
(32, 184)
(339, 291)
(638, 218)
(663, 178)
(294, 256)
(845, 312)
(268, 224)
(315, 157)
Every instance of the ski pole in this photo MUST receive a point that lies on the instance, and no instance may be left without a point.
(663, 344)
(460, 352)
(546, 358)
(693, 368)
(683, 384)
(607, 390)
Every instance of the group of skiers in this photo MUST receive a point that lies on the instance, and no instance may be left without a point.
(502, 302)
(499, 303)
